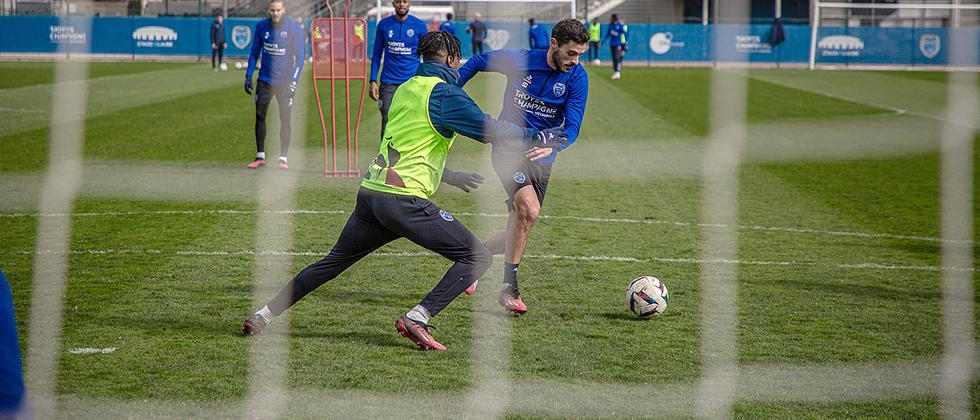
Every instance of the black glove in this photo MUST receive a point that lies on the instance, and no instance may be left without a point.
(551, 137)
(248, 86)
(462, 180)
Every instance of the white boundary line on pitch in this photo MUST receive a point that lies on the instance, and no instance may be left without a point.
(502, 216)
(205, 253)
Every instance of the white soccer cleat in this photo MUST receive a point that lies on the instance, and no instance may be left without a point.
(615, 75)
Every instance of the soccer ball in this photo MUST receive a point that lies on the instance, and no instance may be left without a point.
(238, 65)
(647, 296)
(224, 67)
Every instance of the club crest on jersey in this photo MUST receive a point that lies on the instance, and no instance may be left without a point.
(410, 32)
(283, 34)
(558, 89)
(519, 177)
(446, 216)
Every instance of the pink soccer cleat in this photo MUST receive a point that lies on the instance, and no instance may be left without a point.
(256, 164)
(283, 165)
(417, 332)
(512, 303)
(253, 325)
(472, 289)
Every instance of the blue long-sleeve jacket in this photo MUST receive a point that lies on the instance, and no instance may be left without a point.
(397, 42)
(451, 110)
(283, 51)
(448, 27)
(538, 37)
(616, 34)
(537, 96)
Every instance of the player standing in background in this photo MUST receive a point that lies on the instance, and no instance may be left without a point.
(479, 31)
(393, 202)
(280, 43)
(396, 41)
(448, 25)
(537, 36)
(618, 40)
(218, 43)
(595, 35)
(545, 88)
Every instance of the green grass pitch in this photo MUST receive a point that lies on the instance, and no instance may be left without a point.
(838, 212)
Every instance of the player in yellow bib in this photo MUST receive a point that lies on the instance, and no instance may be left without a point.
(426, 113)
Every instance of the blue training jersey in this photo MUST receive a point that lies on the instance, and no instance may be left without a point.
(397, 42)
(11, 372)
(537, 96)
(617, 35)
(538, 37)
(283, 51)
(448, 27)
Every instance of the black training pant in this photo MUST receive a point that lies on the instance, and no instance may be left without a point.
(593, 50)
(380, 218)
(617, 57)
(219, 53)
(263, 97)
(477, 47)
(385, 93)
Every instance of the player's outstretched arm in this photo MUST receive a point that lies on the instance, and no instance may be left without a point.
(451, 109)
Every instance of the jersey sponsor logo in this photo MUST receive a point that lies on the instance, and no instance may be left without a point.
(519, 177)
(529, 104)
(391, 33)
(273, 49)
(241, 36)
(266, 36)
(558, 89)
(410, 32)
(396, 47)
(930, 45)
(446, 216)
(527, 81)
(155, 36)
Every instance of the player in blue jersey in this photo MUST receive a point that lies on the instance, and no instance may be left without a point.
(396, 41)
(281, 44)
(537, 36)
(13, 405)
(448, 25)
(545, 88)
(618, 38)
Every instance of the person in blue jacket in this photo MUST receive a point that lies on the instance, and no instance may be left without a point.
(537, 36)
(618, 38)
(12, 402)
(396, 41)
(545, 88)
(448, 25)
(281, 44)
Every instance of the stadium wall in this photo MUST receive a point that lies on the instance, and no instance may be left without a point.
(140, 38)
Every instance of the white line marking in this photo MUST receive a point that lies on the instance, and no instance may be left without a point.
(501, 216)
(205, 253)
(88, 350)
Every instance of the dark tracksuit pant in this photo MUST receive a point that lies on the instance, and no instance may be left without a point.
(380, 218)
(385, 92)
(617, 56)
(263, 97)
